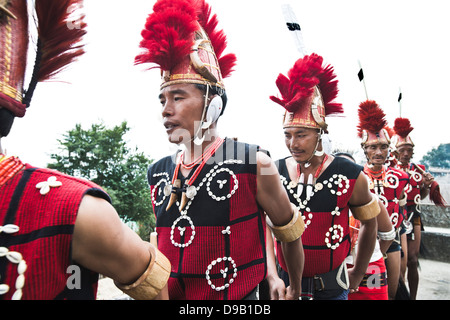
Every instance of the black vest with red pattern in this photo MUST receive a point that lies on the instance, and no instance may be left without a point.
(39, 253)
(216, 245)
(326, 239)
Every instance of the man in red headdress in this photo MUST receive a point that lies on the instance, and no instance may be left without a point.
(57, 232)
(324, 188)
(210, 198)
(388, 184)
(420, 185)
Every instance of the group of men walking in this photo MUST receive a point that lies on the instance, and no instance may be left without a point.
(228, 218)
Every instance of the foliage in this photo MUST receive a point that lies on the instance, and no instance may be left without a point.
(101, 155)
(438, 157)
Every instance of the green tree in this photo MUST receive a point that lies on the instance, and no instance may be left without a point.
(101, 155)
(438, 157)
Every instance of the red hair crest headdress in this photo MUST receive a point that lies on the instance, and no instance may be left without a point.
(402, 129)
(372, 124)
(308, 93)
(180, 38)
(58, 45)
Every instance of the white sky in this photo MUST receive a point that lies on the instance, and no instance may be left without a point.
(401, 43)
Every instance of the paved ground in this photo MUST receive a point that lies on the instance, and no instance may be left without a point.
(434, 283)
(108, 291)
(434, 280)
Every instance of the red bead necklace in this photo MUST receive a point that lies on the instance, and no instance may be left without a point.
(375, 175)
(317, 173)
(202, 160)
(190, 191)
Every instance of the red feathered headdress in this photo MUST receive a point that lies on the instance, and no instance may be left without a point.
(372, 123)
(402, 129)
(59, 36)
(180, 34)
(308, 93)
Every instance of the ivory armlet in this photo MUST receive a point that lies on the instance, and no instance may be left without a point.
(291, 231)
(152, 281)
(367, 211)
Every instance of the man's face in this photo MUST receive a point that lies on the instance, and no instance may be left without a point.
(405, 153)
(182, 108)
(377, 153)
(301, 142)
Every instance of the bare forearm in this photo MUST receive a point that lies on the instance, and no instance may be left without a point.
(384, 245)
(366, 244)
(277, 289)
(271, 262)
(384, 226)
(295, 260)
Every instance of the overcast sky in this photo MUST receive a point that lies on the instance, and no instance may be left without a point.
(400, 43)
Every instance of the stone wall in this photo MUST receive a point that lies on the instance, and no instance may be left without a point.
(434, 216)
(436, 237)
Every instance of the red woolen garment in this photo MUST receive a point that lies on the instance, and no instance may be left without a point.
(46, 223)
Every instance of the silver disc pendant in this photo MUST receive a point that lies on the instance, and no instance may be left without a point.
(191, 191)
(167, 190)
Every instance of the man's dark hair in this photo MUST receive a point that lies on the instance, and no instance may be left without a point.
(6, 121)
(343, 154)
(214, 90)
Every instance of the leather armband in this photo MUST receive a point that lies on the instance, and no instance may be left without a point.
(291, 231)
(367, 211)
(152, 281)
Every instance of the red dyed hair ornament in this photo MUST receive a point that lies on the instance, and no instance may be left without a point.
(402, 129)
(372, 124)
(58, 45)
(307, 93)
(181, 38)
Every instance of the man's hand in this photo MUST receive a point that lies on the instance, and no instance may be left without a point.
(428, 179)
(277, 289)
(291, 294)
(355, 279)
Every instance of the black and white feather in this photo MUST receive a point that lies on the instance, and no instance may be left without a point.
(294, 27)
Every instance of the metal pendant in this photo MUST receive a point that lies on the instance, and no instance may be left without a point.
(191, 192)
(167, 190)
